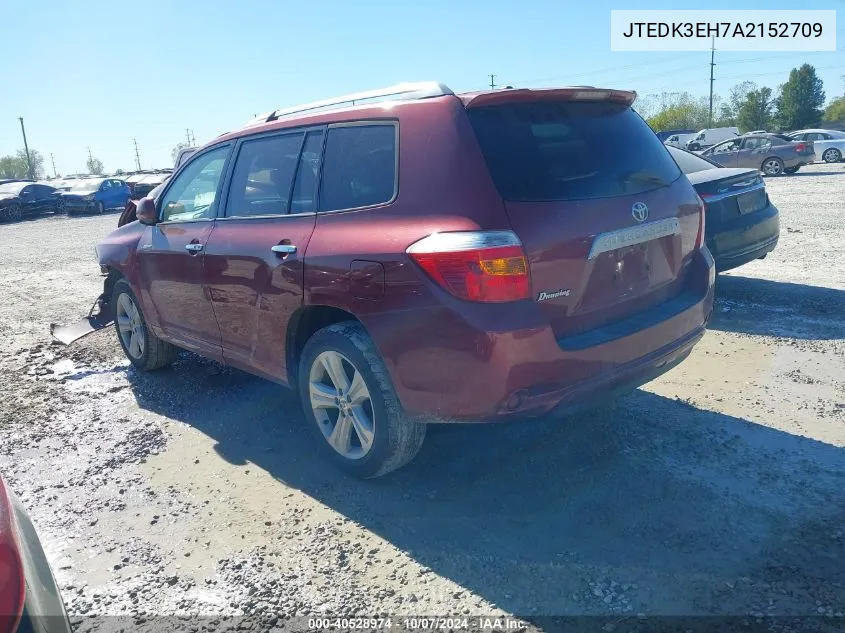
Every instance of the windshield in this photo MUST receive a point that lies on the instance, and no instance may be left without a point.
(13, 187)
(570, 150)
(689, 162)
(86, 185)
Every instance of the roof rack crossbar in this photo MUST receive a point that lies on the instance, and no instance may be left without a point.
(401, 91)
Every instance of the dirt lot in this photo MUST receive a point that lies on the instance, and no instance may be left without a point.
(717, 489)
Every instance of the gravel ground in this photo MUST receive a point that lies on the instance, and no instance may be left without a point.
(715, 490)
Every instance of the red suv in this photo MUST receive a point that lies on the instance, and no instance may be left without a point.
(410, 255)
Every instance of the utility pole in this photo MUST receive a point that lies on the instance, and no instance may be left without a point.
(90, 158)
(26, 149)
(492, 82)
(712, 65)
(188, 135)
(193, 139)
(137, 155)
(53, 160)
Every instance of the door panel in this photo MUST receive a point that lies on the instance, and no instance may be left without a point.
(255, 291)
(172, 259)
(174, 279)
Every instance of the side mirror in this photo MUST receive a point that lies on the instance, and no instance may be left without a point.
(146, 211)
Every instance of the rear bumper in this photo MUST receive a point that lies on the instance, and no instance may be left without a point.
(454, 371)
(745, 238)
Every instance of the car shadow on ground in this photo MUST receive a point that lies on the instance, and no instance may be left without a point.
(650, 491)
(809, 172)
(775, 308)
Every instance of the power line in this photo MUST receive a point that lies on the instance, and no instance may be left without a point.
(26, 150)
(137, 155)
(712, 66)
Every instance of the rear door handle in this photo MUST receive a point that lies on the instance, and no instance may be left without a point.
(283, 249)
(193, 248)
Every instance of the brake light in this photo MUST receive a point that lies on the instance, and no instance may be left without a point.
(11, 567)
(484, 266)
(699, 238)
(801, 147)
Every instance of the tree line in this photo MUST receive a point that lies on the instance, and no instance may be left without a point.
(797, 104)
(16, 165)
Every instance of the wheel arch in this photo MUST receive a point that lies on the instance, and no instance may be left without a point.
(303, 324)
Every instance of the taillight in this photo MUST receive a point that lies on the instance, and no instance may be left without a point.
(486, 266)
(801, 147)
(11, 568)
(699, 238)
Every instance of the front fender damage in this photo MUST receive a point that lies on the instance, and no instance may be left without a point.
(99, 316)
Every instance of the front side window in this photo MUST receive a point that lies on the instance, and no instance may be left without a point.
(359, 166)
(193, 193)
(727, 146)
(263, 175)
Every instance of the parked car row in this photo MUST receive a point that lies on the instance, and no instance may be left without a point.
(84, 195)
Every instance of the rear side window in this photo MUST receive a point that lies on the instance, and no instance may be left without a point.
(263, 176)
(570, 150)
(359, 166)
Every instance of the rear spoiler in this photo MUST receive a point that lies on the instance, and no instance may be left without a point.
(500, 97)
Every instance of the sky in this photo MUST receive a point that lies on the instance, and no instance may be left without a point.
(100, 74)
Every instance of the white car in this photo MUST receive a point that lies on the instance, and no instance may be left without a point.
(678, 140)
(709, 137)
(829, 144)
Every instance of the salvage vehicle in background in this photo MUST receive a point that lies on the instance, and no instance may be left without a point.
(19, 199)
(145, 185)
(773, 154)
(741, 223)
(829, 144)
(30, 601)
(570, 267)
(95, 195)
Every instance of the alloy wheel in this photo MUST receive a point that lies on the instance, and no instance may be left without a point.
(832, 155)
(341, 403)
(772, 167)
(13, 213)
(130, 326)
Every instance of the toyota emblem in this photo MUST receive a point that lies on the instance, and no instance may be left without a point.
(639, 211)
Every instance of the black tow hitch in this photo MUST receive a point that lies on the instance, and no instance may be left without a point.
(99, 316)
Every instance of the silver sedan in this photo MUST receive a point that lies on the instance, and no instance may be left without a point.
(829, 144)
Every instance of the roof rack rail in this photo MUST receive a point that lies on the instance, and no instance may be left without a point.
(401, 91)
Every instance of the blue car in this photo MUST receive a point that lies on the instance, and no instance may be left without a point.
(95, 195)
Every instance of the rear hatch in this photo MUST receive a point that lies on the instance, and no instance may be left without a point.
(607, 220)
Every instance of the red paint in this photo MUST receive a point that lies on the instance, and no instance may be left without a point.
(447, 357)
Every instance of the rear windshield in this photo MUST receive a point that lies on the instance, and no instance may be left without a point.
(570, 151)
(689, 162)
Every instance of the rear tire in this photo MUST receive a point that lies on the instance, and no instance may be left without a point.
(832, 155)
(144, 349)
(359, 423)
(772, 166)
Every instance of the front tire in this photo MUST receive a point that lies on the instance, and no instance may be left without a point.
(101, 207)
(772, 166)
(351, 406)
(144, 349)
(12, 213)
(832, 155)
